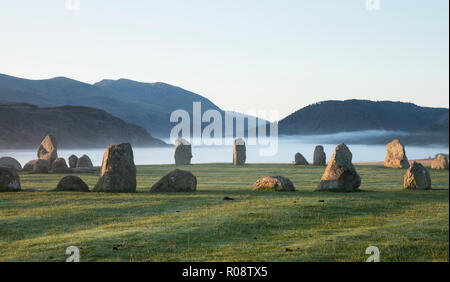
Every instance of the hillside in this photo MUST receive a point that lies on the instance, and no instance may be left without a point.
(145, 104)
(24, 126)
(357, 115)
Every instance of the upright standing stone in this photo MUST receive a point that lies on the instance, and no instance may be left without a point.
(300, 159)
(440, 162)
(239, 152)
(60, 166)
(9, 180)
(118, 170)
(183, 152)
(340, 174)
(417, 177)
(84, 161)
(10, 162)
(48, 149)
(396, 155)
(73, 161)
(320, 158)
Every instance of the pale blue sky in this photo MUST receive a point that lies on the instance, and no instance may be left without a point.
(242, 54)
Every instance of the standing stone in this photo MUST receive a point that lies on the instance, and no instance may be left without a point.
(239, 152)
(29, 165)
(40, 166)
(9, 180)
(300, 159)
(320, 158)
(47, 150)
(84, 161)
(274, 183)
(73, 161)
(417, 177)
(59, 166)
(176, 180)
(183, 152)
(118, 170)
(440, 162)
(10, 162)
(72, 184)
(396, 155)
(340, 174)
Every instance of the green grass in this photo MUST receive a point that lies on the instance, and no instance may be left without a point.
(257, 226)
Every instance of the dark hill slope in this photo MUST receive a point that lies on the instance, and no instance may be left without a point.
(356, 115)
(24, 126)
(145, 104)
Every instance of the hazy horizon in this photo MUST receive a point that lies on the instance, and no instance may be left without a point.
(239, 54)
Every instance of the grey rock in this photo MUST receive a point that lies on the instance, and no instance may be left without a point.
(274, 183)
(10, 162)
(40, 166)
(340, 174)
(84, 161)
(59, 166)
(320, 158)
(72, 184)
(300, 159)
(73, 160)
(239, 152)
(417, 177)
(118, 170)
(9, 180)
(396, 155)
(176, 180)
(183, 152)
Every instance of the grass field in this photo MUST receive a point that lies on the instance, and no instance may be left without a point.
(256, 226)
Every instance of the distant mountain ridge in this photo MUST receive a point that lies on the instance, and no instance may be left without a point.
(150, 104)
(356, 115)
(24, 126)
(145, 104)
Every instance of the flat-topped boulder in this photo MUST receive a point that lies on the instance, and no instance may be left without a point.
(176, 180)
(118, 170)
(320, 158)
(340, 174)
(84, 161)
(73, 160)
(10, 162)
(72, 183)
(40, 166)
(396, 155)
(48, 149)
(60, 166)
(299, 159)
(182, 152)
(274, 183)
(239, 152)
(440, 162)
(9, 180)
(417, 177)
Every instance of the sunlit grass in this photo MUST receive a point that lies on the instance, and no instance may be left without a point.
(257, 226)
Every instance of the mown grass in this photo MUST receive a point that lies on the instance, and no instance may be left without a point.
(257, 226)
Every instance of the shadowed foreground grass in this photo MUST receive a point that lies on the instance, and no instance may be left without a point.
(256, 226)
